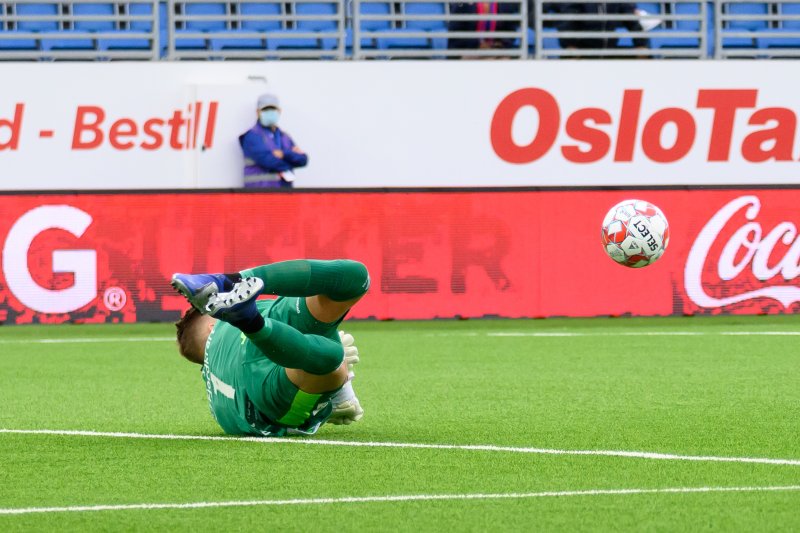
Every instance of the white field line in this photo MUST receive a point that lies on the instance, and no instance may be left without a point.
(80, 340)
(628, 333)
(463, 447)
(398, 498)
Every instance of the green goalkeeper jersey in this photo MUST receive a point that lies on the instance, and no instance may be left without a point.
(248, 393)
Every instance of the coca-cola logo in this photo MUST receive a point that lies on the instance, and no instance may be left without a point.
(749, 246)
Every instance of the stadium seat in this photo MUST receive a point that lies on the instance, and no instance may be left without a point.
(548, 43)
(210, 18)
(259, 9)
(375, 8)
(104, 13)
(137, 26)
(758, 24)
(9, 31)
(104, 22)
(532, 40)
(753, 9)
(430, 9)
(624, 40)
(49, 28)
(787, 26)
(790, 9)
(48, 9)
(264, 9)
(326, 23)
(163, 30)
(287, 39)
(660, 36)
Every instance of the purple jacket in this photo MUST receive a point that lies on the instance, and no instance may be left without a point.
(262, 168)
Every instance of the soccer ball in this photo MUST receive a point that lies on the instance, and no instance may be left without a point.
(635, 233)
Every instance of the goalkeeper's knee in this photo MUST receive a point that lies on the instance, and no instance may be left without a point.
(350, 279)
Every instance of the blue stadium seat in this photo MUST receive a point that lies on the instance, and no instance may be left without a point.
(212, 19)
(250, 26)
(326, 10)
(79, 9)
(624, 40)
(139, 26)
(660, 36)
(375, 8)
(787, 26)
(37, 9)
(432, 9)
(15, 44)
(750, 8)
(104, 24)
(283, 40)
(548, 43)
(47, 27)
(322, 9)
(790, 9)
(163, 30)
(261, 9)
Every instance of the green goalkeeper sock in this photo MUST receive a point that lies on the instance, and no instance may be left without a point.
(286, 346)
(340, 280)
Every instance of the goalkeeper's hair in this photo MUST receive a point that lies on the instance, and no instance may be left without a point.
(191, 343)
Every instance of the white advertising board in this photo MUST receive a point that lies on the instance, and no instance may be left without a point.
(168, 125)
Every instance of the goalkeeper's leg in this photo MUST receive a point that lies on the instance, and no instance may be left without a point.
(313, 363)
(331, 288)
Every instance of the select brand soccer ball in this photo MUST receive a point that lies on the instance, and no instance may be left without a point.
(635, 233)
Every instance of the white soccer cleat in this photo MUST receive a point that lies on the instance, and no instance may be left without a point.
(237, 304)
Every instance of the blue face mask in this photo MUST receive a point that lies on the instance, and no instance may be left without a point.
(269, 117)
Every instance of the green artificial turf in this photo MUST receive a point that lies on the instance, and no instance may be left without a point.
(709, 387)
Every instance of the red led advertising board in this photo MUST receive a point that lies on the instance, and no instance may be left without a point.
(108, 257)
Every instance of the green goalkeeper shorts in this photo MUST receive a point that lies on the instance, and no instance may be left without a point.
(283, 404)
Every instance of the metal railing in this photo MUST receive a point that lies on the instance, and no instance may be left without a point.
(696, 40)
(58, 30)
(291, 39)
(375, 29)
(398, 35)
(769, 29)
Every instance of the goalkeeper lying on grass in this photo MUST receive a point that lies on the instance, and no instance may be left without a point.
(274, 367)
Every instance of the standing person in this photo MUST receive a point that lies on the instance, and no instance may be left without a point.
(270, 155)
(274, 367)
(482, 8)
(600, 9)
